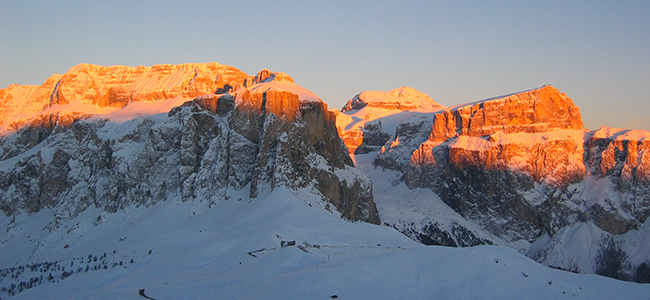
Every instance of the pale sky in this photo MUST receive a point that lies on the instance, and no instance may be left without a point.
(597, 52)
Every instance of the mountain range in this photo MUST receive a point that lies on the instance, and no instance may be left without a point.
(198, 180)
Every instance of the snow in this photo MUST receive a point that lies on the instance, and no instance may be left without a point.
(402, 207)
(622, 134)
(285, 86)
(95, 112)
(78, 107)
(232, 249)
(187, 250)
(390, 118)
(140, 110)
(405, 96)
(497, 98)
(573, 247)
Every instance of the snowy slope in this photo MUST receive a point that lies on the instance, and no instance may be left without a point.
(194, 251)
(416, 211)
(285, 86)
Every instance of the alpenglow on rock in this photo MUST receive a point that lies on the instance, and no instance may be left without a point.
(114, 86)
(268, 134)
(521, 167)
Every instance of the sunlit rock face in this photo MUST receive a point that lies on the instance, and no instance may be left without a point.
(270, 133)
(620, 153)
(538, 133)
(524, 157)
(520, 166)
(538, 110)
(621, 156)
(115, 86)
(119, 85)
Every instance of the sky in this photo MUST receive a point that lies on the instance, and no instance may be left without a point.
(597, 52)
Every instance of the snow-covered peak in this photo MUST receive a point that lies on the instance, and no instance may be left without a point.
(403, 98)
(267, 76)
(622, 134)
(284, 86)
(88, 88)
(530, 93)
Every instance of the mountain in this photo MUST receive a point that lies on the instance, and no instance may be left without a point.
(404, 98)
(95, 87)
(363, 131)
(200, 181)
(272, 133)
(516, 170)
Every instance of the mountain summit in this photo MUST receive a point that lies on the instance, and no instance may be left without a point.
(87, 88)
(404, 98)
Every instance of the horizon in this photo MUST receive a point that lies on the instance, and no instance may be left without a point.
(594, 52)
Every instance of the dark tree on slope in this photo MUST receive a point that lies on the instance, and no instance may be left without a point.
(611, 260)
(643, 273)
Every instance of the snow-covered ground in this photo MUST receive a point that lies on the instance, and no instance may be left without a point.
(233, 250)
(405, 208)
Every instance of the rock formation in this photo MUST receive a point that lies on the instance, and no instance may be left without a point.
(368, 134)
(521, 167)
(115, 86)
(538, 110)
(489, 155)
(271, 134)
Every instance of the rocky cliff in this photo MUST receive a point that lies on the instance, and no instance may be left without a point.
(489, 155)
(521, 167)
(264, 136)
(115, 86)
(538, 110)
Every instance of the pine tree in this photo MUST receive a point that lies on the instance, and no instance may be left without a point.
(611, 260)
(643, 273)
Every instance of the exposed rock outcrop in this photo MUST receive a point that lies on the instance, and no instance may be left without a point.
(257, 138)
(115, 86)
(492, 155)
(521, 167)
(538, 110)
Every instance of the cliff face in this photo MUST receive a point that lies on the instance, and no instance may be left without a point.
(115, 86)
(491, 154)
(538, 110)
(620, 153)
(520, 167)
(207, 149)
(538, 133)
